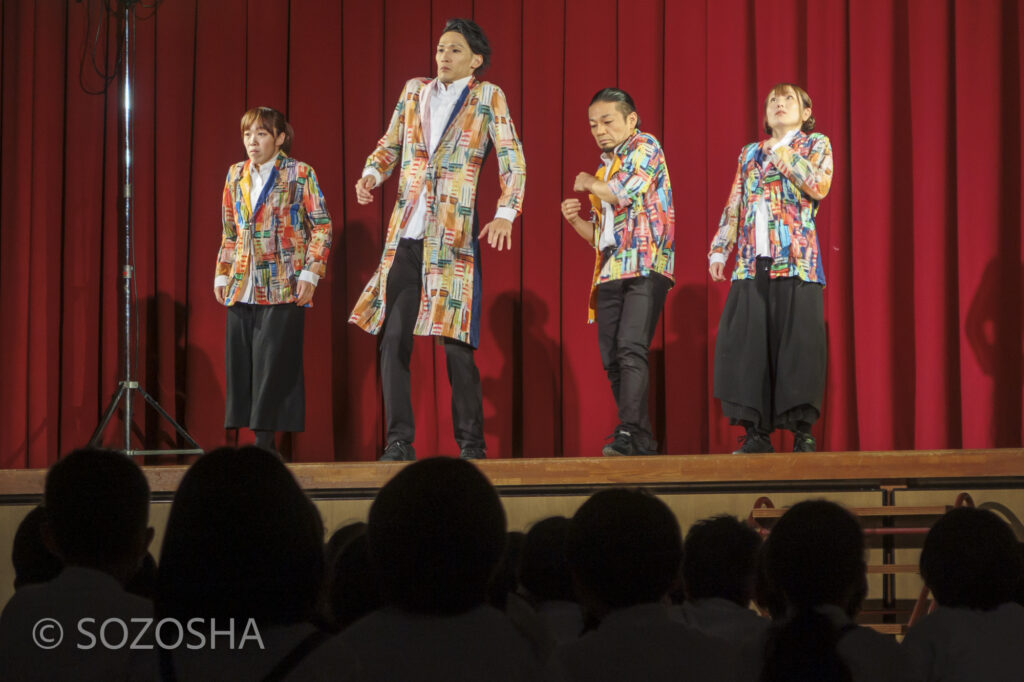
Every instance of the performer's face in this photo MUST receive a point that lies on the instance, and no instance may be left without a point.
(260, 144)
(609, 126)
(454, 58)
(785, 111)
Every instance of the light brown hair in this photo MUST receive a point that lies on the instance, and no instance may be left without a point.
(272, 121)
(805, 103)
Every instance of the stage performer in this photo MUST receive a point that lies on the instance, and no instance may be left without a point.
(632, 229)
(428, 281)
(770, 355)
(277, 235)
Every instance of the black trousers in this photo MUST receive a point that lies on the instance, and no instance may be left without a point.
(627, 314)
(263, 358)
(771, 355)
(405, 282)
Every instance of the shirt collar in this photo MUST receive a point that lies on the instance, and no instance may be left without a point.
(452, 90)
(264, 170)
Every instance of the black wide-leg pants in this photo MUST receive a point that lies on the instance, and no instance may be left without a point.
(263, 358)
(771, 355)
(404, 287)
(627, 314)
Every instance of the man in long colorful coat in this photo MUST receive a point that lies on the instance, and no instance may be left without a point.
(428, 282)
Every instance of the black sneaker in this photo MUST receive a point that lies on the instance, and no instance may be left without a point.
(755, 442)
(622, 445)
(473, 453)
(803, 441)
(399, 451)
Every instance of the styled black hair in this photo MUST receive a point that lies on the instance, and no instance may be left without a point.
(619, 97)
(970, 560)
(719, 556)
(475, 38)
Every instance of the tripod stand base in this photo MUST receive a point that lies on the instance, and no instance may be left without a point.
(125, 389)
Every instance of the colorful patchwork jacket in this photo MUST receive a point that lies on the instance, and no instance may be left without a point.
(794, 180)
(287, 232)
(644, 215)
(450, 303)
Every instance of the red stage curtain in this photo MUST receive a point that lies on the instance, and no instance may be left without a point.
(921, 234)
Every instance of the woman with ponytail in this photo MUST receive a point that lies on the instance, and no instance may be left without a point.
(815, 562)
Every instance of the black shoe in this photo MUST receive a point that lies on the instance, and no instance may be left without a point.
(622, 445)
(399, 451)
(755, 442)
(473, 453)
(803, 441)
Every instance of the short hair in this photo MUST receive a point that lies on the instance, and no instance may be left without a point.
(97, 506)
(475, 38)
(544, 567)
(719, 559)
(242, 541)
(815, 554)
(625, 547)
(33, 562)
(272, 121)
(970, 560)
(805, 103)
(620, 98)
(436, 533)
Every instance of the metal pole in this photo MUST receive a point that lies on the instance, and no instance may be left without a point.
(128, 384)
(126, 189)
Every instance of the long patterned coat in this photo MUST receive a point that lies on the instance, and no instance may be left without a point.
(450, 300)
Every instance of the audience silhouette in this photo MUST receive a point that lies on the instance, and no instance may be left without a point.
(624, 549)
(971, 563)
(814, 561)
(436, 536)
(433, 587)
(96, 515)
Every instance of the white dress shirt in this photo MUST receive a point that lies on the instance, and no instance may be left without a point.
(607, 211)
(762, 211)
(437, 103)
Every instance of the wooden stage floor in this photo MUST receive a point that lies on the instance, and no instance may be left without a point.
(825, 471)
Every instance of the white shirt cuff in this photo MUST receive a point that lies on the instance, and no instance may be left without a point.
(507, 213)
(221, 280)
(374, 173)
(307, 276)
(717, 258)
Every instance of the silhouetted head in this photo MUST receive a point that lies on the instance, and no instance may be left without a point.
(97, 510)
(544, 567)
(719, 556)
(242, 541)
(970, 560)
(816, 555)
(33, 562)
(436, 533)
(624, 548)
